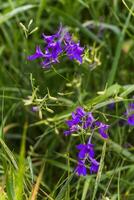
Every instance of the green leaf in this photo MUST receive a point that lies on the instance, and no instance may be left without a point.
(22, 9)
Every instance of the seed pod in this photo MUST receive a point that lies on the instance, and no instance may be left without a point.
(49, 110)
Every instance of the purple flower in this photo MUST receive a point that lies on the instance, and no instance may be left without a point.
(35, 108)
(81, 118)
(75, 122)
(80, 112)
(56, 45)
(72, 129)
(52, 50)
(94, 166)
(85, 150)
(84, 120)
(74, 51)
(50, 38)
(130, 114)
(81, 169)
(38, 54)
(130, 120)
(89, 121)
(102, 129)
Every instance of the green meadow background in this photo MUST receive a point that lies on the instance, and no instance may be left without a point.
(36, 160)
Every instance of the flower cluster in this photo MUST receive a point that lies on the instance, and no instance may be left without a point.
(130, 114)
(82, 120)
(86, 153)
(56, 45)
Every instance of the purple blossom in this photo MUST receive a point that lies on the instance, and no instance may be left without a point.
(38, 54)
(80, 112)
(35, 108)
(86, 152)
(102, 129)
(94, 166)
(76, 120)
(81, 169)
(60, 43)
(74, 51)
(50, 38)
(130, 120)
(83, 120)
(72, 129)
(80, 119)
(89, 121)
(130, 114)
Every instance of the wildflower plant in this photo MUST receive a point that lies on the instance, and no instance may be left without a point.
(84, 122)
(57, 45)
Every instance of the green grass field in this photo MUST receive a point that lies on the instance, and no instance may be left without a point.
(37, 160)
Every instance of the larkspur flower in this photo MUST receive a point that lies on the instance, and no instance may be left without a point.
(50, 38)
(89, 121)
(38, 54)
(80, 112)
(60, 43)
(76, 120)
(81, 169)
(102, 129)
(80, 119)
(84, 120)
(86, 153)
(130, 120)
(94, 166)
(85, 149)
(74, 50)
(130, 114)
(72, 129)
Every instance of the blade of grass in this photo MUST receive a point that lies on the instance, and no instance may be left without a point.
(118, 50)
(85, 188)
(21, 169)
(37, 185)
(7, 16)
(98, 178)
(42, 6)
(61, 194)
(9, 154)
